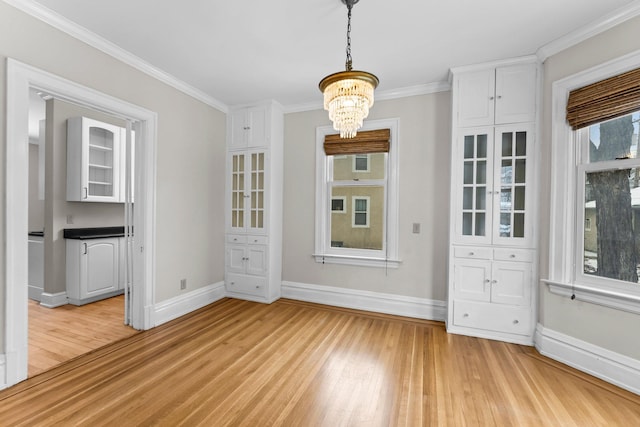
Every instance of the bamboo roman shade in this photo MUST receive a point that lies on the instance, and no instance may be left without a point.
(371, 141)
(603, 100)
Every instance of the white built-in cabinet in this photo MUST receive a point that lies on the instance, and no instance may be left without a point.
(94, 269)
(95, 161)
(253, 245)
(492, 253)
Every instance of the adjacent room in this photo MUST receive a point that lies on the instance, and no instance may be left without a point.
(332, 212)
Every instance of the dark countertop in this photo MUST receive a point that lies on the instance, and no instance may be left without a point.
(93, 233)
(36, 233)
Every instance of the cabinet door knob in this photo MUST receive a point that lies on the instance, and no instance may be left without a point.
(233, 283)
(494, 281)
(255, 240)
(487, 280)
(491, 98)
(499, 96)
(471, 254)
(465, 315)
(515, 322)
(257, 286)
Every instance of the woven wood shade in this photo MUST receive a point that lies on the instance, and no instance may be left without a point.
(371, 141)
(604, 100)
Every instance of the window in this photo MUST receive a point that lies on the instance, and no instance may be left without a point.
(364, 186)
(360, 212)
(361, 163)
(338, 204)
(594, 248)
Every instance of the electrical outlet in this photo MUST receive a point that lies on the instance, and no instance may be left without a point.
(416, 227)
(183, 284)
(69, 219)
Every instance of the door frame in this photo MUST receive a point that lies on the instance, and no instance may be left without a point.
(20, 78)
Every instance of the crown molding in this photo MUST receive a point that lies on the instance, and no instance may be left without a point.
(74, 30)
(385, 95)
(596, 27)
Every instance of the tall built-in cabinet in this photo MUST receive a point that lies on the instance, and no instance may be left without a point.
(492, 255)
(254, 185)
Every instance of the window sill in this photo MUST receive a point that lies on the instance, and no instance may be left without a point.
(357, 261)
(620, 300)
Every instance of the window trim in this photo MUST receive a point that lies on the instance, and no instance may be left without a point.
(563, 221)
(323, 253)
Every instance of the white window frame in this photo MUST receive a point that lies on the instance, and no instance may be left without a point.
(344, 204)
(367, 211)
(323, 252)
(368, 158)
(565, 238)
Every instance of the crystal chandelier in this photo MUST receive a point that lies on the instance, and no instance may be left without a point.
(348, 95)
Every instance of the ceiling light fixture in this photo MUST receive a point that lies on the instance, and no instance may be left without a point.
(348, 95)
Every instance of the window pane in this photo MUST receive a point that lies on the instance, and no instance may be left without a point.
(614, 139)
(362, 224)
(359, 167)
(611, 210)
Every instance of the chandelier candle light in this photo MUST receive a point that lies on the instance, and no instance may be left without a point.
(348, 95)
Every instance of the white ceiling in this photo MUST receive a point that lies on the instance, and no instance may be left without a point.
(243, 51)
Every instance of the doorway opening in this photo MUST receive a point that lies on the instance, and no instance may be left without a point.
(20, 79)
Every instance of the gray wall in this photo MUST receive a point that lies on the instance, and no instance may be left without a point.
(425, 134)
(190, 152)
(36, 206)
(612, 329)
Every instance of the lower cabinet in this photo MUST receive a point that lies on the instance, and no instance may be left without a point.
(94, 269)
(492, 293)
(246, 266)
(36, 267)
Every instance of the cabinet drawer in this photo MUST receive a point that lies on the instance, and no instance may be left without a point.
(236, 238)
(509, 254)
(257, 240)
(472, 252)
(245, 284)
(494, 317)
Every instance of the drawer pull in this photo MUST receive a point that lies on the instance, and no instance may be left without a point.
(257, 286)
(465, 315)
(233, 283)
(471, 254)
(235, 239)
(512, 256)
(255, 240)
(515, 322)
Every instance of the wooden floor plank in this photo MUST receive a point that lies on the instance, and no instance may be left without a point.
(298, 364)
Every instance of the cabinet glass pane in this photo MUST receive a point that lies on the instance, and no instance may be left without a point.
(519, 201)
(480, 224)
(521, 144)
(505, 225)
(521, 171)
(506, 172)
(482, 147)
(237, 191)
(481, 198)
(467, 223)
(257, 191)
(481, 173)
(468, 147)
(467, 198)
(507, 144)
(505, 199)
(468, 172)
(518, 225)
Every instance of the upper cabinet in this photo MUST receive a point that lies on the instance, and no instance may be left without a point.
(250, 128)
(96, 161)
(498, 95)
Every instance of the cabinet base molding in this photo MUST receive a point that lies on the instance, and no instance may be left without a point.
(175, 307)
(53, 300)
(490, 335)
(615, 368)
(420, 308)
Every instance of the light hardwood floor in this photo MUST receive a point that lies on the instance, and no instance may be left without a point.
(297, 364)
(62, 333)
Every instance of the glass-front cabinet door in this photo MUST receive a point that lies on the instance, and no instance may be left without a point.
(494, 178)
(475, 175)
(247, 191)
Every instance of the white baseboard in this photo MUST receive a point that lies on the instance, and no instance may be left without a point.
(53, 300)
(184, 304)
(607, 365)
(3, 372)
(399, 305)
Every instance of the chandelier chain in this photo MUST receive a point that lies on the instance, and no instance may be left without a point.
(348, 64)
